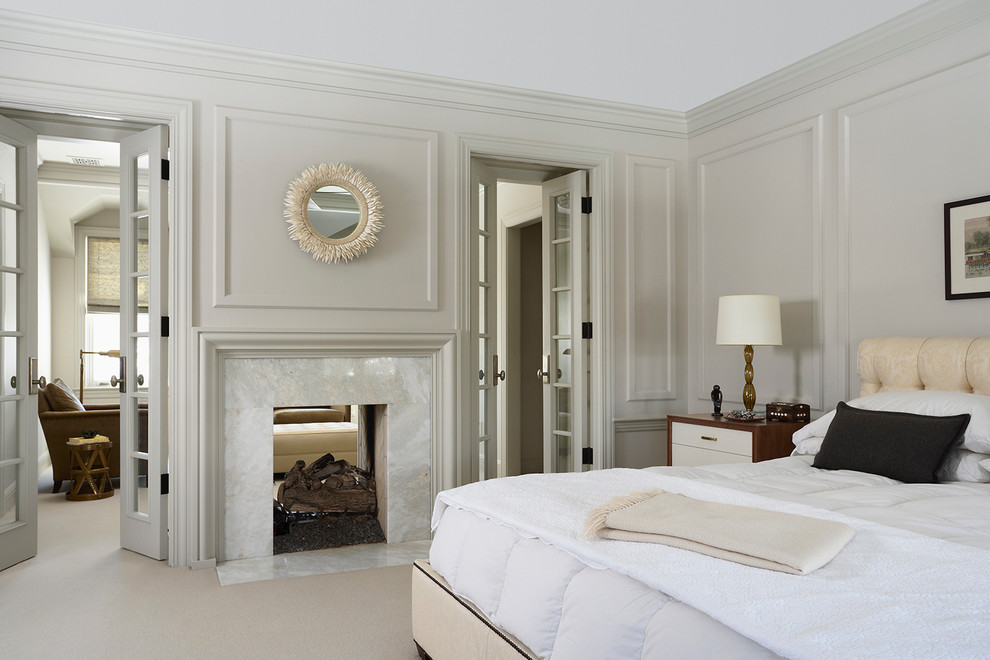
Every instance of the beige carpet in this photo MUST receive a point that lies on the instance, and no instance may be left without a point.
(84, 597)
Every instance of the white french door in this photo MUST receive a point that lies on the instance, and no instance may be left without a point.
(18, 343)
(483, 327)
(565, 304)
(143, 381)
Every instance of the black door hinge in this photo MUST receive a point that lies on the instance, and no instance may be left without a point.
(587, 456)
(165, 484)
(586, 330)
(164, 326)
(165, 169)
(585, 205)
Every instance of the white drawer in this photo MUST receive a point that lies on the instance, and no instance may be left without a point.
(713, 438)
(688, 456)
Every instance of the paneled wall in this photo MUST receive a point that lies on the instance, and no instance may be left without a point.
(833, 199)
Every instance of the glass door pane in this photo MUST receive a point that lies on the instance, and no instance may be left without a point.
(18, 343)
(144, 349)
(563, 312)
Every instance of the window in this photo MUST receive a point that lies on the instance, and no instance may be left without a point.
(101, 318)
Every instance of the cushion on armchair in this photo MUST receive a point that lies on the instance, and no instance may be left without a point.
(61, 398)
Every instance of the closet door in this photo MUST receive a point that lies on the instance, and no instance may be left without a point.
(143, 380)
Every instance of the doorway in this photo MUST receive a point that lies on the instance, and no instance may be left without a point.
(532, 316)
(101, 205)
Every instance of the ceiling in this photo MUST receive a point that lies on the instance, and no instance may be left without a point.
(669, 54)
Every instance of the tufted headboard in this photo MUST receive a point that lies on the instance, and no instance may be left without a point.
(955, 364)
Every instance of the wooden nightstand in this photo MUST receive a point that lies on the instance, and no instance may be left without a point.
(701, 439)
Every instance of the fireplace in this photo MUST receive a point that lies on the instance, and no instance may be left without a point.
(325, 493)
(254, 386)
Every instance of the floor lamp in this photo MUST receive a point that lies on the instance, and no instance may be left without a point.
(82, 366)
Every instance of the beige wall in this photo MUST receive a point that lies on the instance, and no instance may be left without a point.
(833, 199)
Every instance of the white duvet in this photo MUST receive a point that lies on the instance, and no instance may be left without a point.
(913, 582)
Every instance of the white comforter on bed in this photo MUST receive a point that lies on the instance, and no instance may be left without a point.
(514, 548)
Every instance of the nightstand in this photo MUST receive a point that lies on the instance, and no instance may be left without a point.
(701, 439)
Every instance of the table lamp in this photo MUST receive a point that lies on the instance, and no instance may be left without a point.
(749, 320)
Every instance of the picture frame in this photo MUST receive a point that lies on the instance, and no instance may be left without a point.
(967, 248)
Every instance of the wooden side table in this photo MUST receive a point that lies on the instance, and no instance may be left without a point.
(701, 439)
(89, 469)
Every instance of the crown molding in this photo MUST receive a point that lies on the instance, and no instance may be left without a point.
(59, 37)
(912, 30)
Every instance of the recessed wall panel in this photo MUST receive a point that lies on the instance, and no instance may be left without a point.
(260, 265)
(649, 275)
(759, 233)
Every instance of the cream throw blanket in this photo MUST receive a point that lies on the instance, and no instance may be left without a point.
(774, 540)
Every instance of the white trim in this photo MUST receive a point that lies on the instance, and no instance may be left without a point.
(215, 346)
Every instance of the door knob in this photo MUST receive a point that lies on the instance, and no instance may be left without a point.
(544, 373)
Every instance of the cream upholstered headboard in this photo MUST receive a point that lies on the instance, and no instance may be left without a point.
(955, 364)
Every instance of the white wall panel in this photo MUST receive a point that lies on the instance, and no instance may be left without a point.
(650, 268)
(903, 154)
(759, 232)
(259, 265)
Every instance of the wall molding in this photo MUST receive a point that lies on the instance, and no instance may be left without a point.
(112, 45)
(845, 117)
(354, 299)
(815, 127)
(665, 384)
(912, 30)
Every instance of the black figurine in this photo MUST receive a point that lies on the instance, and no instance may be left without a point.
(717, 401)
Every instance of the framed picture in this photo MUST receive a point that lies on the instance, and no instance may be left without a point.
(967, 248)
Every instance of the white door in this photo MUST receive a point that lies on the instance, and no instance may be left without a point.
(565, 304)
(18, 343)
(143, 380)
(483, 326)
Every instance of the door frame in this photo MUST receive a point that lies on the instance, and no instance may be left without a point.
(187, 545)
(598, 164)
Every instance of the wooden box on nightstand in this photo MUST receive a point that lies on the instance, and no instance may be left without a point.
(701, 439)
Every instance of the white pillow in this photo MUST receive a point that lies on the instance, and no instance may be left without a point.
(807, 440)
(964, 465)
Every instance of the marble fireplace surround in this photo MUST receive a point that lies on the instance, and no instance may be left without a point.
(253, 372)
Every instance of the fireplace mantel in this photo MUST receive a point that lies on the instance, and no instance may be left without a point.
(246, 373)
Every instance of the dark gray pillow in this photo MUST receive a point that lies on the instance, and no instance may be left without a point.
(902, 446)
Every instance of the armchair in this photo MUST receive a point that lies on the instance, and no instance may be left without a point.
(60, 425)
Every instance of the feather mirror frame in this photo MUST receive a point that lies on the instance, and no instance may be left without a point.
(298, 202)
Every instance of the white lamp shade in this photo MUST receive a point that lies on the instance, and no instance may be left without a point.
(748, 320)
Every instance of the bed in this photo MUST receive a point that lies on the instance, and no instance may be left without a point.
(512, 574)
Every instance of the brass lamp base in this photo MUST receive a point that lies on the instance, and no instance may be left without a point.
(749, 392)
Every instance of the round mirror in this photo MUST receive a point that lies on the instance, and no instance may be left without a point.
(333, 211)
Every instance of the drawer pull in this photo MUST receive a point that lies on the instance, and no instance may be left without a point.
(708, 437)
